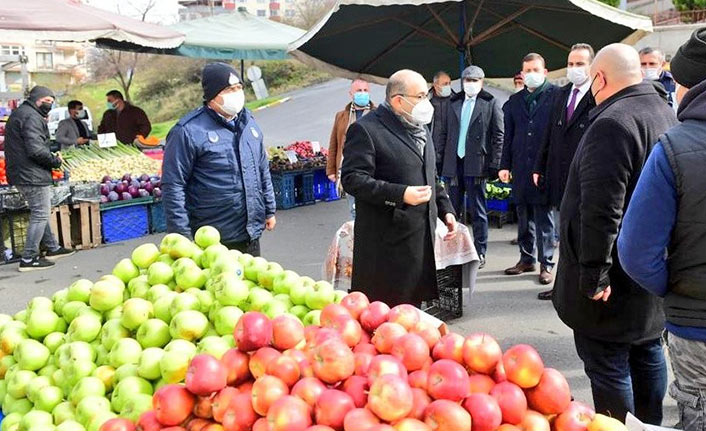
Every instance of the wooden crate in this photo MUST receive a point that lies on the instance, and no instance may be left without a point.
(60, 222)
(86, 225)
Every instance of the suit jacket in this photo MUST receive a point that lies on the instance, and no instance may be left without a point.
(67, 133)
(393, 254)
(338, 138)
(484, 140)
(560, 141)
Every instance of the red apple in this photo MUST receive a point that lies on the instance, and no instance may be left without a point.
(421, 402)
(212, 427)
(333, 361)
(206, 375)
(197, 424)
(480, 384)
(499, 374)
(118, 424)
(448, 380)
(359, 420)
(173, 404)
(381, 427)
(404, 314)
(374, 316)
(285, 368)
(348, 328)
(148, 422)
(445, 415)
(412, 350)
(450, 346)
(418, 379)
(174, 428)
(534, 421)
(330, 312)
(261, 359)
(364, 337)
(356, 387)
(481, 353)
(265, 391)
(319, 428)
(204, 407)
(429, 332)
(287, 332)
(289, 414)
(245, 386)
(386, 335)
(240, 415)
(390, 397)
(511, 400)
(485, 412)
(261, 425)
(355, 303)
(305, 368)
(385, 364)
(365, 348)
(362, 363)
(309, 389)
(237, 364)
(222, 401)
(523, 366)
(508, 427)
(576, 417)
(552, 395)
(253, 331)
(331, 408)
(323, 334)
(411, 424)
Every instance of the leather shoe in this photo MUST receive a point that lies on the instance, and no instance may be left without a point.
(521, 268)
(546, 295)
(481, 258)
(545, 277)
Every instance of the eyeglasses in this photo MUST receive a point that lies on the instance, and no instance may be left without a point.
(418, 97)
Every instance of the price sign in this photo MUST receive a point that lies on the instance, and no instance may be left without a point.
(316, 147)
(292, 156)
(107, 140)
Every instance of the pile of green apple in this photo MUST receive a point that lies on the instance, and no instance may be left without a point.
(100, 349)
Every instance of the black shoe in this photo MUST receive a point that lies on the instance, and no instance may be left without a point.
(37, 263)
(482, 261)
(515, 241)
(546, 295)
(59, 253)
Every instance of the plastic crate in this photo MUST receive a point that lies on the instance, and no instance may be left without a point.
(305, 195)
(85, 192)
(321, 182)
(293, 189)
(125, 220)
(158, 220)
(498, 205)
(449, 305)
(13, 229)
(331, 192)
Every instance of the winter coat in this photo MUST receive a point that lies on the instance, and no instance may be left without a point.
(67, 132)
(28, 157)
(126, 124)
(393, 254)
(216, 173)
(601, 181)
(338, 138)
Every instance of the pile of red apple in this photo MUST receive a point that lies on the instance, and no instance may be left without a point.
(366, 368)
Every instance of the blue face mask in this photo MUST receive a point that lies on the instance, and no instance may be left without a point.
(109, 105)
(361, 98)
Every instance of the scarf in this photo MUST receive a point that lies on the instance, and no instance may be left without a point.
(532, 98)
(416, 132)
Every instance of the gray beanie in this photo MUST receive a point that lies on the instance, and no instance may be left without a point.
(40, 92)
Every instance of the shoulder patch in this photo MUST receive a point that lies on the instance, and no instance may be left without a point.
(254, 132)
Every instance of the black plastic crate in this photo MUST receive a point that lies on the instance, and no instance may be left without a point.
(449, 305)
(293, 188)
(13, 229)
(158, 219)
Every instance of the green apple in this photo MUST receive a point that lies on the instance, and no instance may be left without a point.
(197, 257)
(35, 385)
(125, 351)
(185, 347)
(63, 412)
(36, 417)
(229, 289)
(157, 291)
(258, 298)
(77, 371)
(85, 327)
(80, 290)
(136, 311)
(312, 318)
(299, 311)
(284, 299)
(48, 371)
(113, 279)
(188, 325)
(211, 253)
(298, 293)
(41, 322)
(148, 368)
(162, 306)
(145, 255)
(106, 295)
(245, 259)
(49, 398)
(53, 341)
(90, 407)
(229, 340)
(60, 298)
(95, 313)
(135, 406)
(206, 299)
(164, 258)
(114, 313)
(5, 363)
(284, 281)
(182, 302)
(40, 303)
(79, 351)
(6, 318)
(11, 337)
(10, 420)
(138, 287)
(320, 296)
(207, 236)
(254, 268)
(71, 310)
(190, 276)
(227, 263)
(160, 273)
(113, 330)
(340, 294)
(70, 425)
(58, 378)
(106, 374)
(21, 316)
(214, 345)
(275, 308)
(225, 319)
(98, 420)
(126, 370)
(126, 388)
(181, 247)
(3, 388)
(126, 270)
(173, 365)
(266, 278)
(153, 333)
(12, 405)
(88, 386)
(31, 355)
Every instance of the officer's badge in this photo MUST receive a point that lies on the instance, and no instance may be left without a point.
(254, 132)
(213, 137)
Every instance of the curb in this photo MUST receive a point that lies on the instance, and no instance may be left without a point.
(275, 103)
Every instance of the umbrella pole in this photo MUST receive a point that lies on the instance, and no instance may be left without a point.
(242, 69)
(461, 35)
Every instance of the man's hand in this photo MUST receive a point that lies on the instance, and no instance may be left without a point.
(535, 179)
(58, 156)
(332, 178)
(452, 226)
(270, 223)
(504, 175)
(603, 296)
(417, 195)
(81, 141)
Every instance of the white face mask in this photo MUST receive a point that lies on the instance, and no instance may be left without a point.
(518, 89)
(422, 113)
(652, 73)
(534, 79)
(577, 75)
(445, 91)
(472, 88)
(233, 102)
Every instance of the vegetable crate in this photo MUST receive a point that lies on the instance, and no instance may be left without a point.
(320, 184)
(158, 220)
(293, 188)
(13, 228)
(450, 303)
(60, 223)
(86, 225)
(123, 220)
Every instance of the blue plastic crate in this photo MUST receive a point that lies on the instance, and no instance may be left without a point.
(158, 220)
(120, 223)
(305, 195)
(320, 184)
(283, 184)
(331, 192)
(498, 205)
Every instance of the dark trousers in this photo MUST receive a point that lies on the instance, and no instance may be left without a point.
(474, 190)
(535, 232)
(625, 377)
(250, 247)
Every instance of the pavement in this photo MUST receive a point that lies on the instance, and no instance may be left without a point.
(505, 307)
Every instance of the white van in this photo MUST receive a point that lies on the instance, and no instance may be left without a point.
(61, 113)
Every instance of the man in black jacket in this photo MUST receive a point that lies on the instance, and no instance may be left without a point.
(570, 110)
(29, 166)
(470, 147)
(439, 96)
(617, 325)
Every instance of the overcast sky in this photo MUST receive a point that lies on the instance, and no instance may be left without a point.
(161, 11)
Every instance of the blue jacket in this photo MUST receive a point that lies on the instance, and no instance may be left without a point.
(216, 173)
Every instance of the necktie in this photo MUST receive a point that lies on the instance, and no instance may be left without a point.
(572, 104)
(465, 120)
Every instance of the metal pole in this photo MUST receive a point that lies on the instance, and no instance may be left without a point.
(461, 31)
(242, 69)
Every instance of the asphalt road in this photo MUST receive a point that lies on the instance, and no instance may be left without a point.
(503, 306)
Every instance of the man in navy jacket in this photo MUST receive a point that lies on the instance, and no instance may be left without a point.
(216, 170)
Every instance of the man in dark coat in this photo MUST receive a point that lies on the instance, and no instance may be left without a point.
(470, 147)
(439, 96)
(124, 119)
(527, 116)
(570, 109)
(653, 61)
(389, 166)
(617, 325)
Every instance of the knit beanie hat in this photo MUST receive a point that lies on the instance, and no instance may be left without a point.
(689, 63)
(217, 76)
(39, 92)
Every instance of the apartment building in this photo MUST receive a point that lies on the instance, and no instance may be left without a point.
(273, 9)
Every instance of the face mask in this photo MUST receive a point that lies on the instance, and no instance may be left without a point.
(361, 98)
(233, 102)
(534, 80)
(472, 88)
(591, 88)
(422, 113)
(445, 91)
(81, 115)
(577, 75)
(45, 107)
(110, 105)
(652, 74)
(518, 89)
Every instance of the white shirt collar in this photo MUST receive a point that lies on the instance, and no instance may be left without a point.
(583, 88)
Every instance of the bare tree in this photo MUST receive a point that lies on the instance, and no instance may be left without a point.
(309, 12)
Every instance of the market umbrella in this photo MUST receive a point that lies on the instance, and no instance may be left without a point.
(69, 20)
(374, 38)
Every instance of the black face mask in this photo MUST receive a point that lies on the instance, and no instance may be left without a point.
(44, 108)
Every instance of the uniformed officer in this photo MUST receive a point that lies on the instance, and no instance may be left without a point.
(216, 170)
